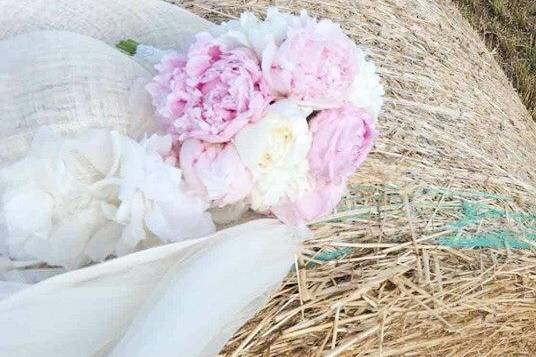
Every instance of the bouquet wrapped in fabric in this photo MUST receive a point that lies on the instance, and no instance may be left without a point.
(269, 117)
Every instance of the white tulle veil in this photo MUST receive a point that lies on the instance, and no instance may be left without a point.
(59, 69)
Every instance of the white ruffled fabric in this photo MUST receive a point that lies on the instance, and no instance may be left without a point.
(80, 200)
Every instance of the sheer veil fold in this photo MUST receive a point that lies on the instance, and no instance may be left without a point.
(181, 299)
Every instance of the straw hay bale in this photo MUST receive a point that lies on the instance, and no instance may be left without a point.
(374, 281)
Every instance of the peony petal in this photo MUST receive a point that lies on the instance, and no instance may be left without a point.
(27, 213)
(211, 95)
(92, 196)
(342, 138)
(103, 242)
(313, 204)
(274, 149)
(366, 91)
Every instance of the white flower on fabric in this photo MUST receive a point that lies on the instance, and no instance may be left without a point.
(366, 91)
(73, 201)
(275, 151)
(153, 200)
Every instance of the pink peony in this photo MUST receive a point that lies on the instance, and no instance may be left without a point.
(215, 171)
(210, 93)
(315, 65)
(311, 205)
(342, 138)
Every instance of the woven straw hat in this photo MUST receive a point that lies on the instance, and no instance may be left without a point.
(69, 82)
(151, 22)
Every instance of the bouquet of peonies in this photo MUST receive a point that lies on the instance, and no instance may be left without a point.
(268, 116)
(271, 115)
(274, 115)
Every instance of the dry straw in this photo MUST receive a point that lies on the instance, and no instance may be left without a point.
(454, 165)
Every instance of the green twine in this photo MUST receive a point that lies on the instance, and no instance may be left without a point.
(326, 256)
(466, 194)
(495, 239)
(473, 214)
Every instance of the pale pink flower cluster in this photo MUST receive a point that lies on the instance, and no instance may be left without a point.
(211, 92)
(274, 115)
(314, 66)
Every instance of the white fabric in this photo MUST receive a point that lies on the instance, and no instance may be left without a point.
(29, 276)
(152, 22)
(8, 288)
(68, 82)
(149, 56)
(182, 299)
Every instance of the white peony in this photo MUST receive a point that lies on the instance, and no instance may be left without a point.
(73, 201)
(275, 151)
(366, 91)
(251, 32)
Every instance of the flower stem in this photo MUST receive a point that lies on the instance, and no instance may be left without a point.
(128, 46)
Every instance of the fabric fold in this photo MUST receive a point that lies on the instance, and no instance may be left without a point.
(181, 299)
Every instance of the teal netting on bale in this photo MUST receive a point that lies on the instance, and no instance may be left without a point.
(472, 219)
